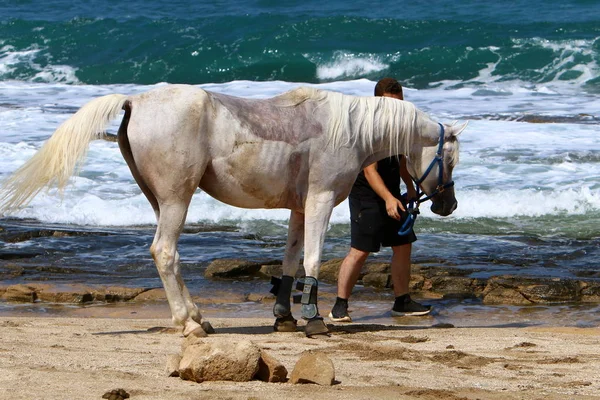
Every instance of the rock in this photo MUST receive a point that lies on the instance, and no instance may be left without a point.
(155, 294)
(69, 293)
(551, 291)
(116, 394)
(12, 254)
(314, 367)
(11, 271)
(191, 341)
(261, 297)
(81, 294)
(502, 295)
(231, 268)
(269, 270)
(522, 291)
(269, 369)
(329, 270)
(416, 284)
(221, 297)
(20, 293)
(115, 294)
(377, 267)
(457, 287)
(218, 359)
(172, 367)
(590, 291)
(378, 280)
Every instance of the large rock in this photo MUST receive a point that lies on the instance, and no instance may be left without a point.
(69, 293)
(329, 270)
(231, 268)
(457, 286)
(522, 291)
(269, 369)
(276, 269)
(377, 267)
(13, 254)
(114, 294)
(590, 291)
(504, 295)
(172, 366)
(156, 294)
(20, 293)
(217, 359)
(74, 293)
(314, 367)
(417, 283)
(378, 280)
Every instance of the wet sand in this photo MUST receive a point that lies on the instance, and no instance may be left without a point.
(88, 351)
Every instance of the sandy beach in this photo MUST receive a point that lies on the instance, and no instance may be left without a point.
(83, 357)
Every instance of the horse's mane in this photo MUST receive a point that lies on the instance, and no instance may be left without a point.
(355, 119)
(454, 154)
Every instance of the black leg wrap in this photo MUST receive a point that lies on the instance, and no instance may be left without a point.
(282, 307)
(309, 298)
(276, 282)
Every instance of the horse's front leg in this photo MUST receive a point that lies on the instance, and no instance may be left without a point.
(317, 213)
(285, 322)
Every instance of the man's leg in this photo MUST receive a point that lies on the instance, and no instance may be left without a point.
(350, 271)
(347, 277)
(404, 305)
(401, 268)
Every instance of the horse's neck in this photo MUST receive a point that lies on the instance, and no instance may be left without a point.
(427, 131)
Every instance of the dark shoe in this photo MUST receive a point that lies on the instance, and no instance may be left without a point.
(405, 306)
(339, 312)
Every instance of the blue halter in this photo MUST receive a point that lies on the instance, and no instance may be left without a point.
(413, 205)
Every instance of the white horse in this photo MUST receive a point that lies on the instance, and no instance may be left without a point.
(301, 150)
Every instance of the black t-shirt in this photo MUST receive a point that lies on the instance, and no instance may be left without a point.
(389, 170)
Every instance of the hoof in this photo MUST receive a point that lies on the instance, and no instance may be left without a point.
(285, 324)
(198, 332)
(207, 327)
(316, 326)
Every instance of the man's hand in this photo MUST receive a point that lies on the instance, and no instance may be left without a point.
(392, 205)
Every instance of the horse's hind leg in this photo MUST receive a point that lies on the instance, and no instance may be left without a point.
(164, 251)
(285, 322)
(170, 218)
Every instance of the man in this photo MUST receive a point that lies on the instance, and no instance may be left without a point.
(376, 215)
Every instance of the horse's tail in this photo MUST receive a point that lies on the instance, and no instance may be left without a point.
(58, 158)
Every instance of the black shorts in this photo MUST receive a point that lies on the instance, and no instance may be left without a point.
(371, 227)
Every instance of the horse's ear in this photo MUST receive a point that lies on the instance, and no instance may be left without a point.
(457, 130)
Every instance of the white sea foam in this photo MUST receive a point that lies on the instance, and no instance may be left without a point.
(11, 58)
(507, 169)
(348, 65)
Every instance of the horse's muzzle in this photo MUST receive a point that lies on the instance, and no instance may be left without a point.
(443, 206)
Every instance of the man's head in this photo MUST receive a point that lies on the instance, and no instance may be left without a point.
(389, 87)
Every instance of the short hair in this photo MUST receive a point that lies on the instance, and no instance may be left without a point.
(388, 85)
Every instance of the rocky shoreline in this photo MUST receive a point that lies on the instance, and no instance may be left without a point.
(437, 282)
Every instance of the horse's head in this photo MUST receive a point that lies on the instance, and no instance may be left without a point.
(431, 161)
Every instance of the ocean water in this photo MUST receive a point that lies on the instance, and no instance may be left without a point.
(526, 76)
